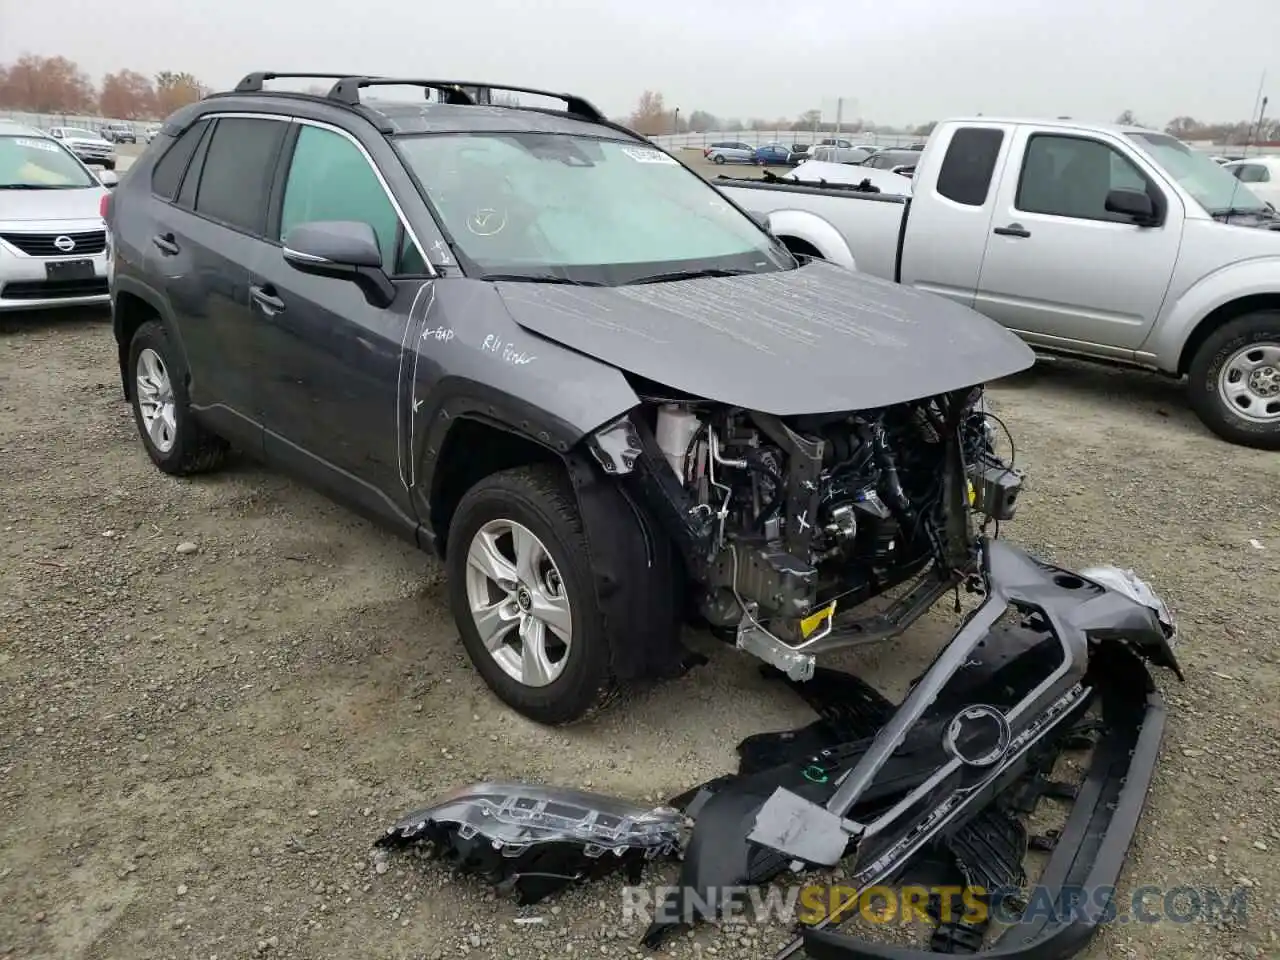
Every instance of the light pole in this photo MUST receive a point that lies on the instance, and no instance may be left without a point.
(675, 122)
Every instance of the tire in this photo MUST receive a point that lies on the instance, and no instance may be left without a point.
(718, 158)
(539, 500)
(1258, 332)
(187, 447)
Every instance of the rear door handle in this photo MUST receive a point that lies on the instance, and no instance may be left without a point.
(266, 299)
(165, 244)
(1012, 230)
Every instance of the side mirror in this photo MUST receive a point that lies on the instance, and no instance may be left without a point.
(343, 250)
(108, 178)
(1132, 203)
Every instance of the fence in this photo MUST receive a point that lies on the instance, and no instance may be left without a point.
(682, 141)
(43, 121)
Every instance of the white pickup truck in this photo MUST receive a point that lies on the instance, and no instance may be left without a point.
(1111, 243)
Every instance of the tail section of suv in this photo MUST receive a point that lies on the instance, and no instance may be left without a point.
(534, 343)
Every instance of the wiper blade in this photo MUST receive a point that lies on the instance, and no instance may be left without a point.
(693, 275)
(540, 278)
(1244, 212)
(30, 186)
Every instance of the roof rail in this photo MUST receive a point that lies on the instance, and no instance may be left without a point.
(252, 82)
(348, 90)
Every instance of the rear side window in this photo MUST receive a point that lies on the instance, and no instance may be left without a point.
(168, 170)
(969, 165)
(237, 172)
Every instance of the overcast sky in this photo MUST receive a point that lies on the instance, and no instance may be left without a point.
(894, 61)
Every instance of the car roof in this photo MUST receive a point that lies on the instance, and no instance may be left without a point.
(1264, 160)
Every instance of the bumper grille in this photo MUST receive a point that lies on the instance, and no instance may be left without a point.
(42, 244)
(53, 289)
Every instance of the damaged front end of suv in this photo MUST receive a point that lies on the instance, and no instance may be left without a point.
(788, 525)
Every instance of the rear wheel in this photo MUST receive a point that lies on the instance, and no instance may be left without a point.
(1234, 381)
(176, 442)
(718, 158)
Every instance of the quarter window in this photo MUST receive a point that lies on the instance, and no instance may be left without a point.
(169, 169)
(236, 176)
(330, 179)
(1071, 177)
(969, 164)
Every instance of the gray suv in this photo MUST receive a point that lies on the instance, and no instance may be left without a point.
(530, 341)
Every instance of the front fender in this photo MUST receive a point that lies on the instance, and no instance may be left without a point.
(815, 231)
(1247, 278)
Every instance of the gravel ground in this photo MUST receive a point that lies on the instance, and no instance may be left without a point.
(215, 693)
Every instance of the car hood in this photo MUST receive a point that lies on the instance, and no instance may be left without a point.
(818, 339)
(88, 141)
(51, 204)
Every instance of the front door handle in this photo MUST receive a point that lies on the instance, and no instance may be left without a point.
(166, 244)
(266, 299)
(1012, 230)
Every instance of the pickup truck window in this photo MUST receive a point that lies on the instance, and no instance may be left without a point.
(1070, 176)
(329, 179)
(969, 164)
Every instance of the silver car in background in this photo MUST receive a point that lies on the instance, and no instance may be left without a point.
(92, 148)
(53, 242)
(730, 151)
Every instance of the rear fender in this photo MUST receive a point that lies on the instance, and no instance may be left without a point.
(815, 231)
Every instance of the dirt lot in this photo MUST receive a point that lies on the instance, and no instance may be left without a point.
(214, 694)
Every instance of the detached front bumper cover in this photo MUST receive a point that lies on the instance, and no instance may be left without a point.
(898, 784)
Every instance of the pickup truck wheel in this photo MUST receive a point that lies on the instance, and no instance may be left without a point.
(520, 585)
(176, 442)
(1235, 381)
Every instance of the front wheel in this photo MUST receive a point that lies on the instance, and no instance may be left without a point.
(718, 158)
(521, 589)
(1234, 381)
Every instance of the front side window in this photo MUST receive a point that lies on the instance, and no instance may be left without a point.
(329, 179)
(236, 174)
(1071, 177)
(37, 163)
(582, 209)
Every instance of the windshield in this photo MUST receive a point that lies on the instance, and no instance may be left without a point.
(1214, 189)
(37, 163)
(80, 134)
(581, 209)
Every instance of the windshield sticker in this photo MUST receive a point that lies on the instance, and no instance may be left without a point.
(646, 155)
(36, 144)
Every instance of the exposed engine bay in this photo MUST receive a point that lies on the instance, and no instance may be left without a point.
(789, 525)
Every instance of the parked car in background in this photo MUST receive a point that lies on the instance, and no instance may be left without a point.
(890, 157)
(730, 151)
(773, 154)
(1116, 244)
(119, 133)
(1261, 174)
(90, 147)
(52, 238)
(830, 154)
(149, 134)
